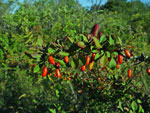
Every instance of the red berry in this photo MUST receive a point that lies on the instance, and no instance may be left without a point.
(129, 73)
(148, 71)
(45, 70)
(51, 60)
(128, 54)
(103, 68)
(50, 74)
(58, 64)
(83, 68)
(100, 88)
(117, 65)
(66, 59)
(120, 58)
(69, 78)
(87, 60)
(58, 73)
(93, 56)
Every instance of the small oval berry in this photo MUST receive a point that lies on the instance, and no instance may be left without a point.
(58, 73)
(87, 60)
(50, 74)
(117, 65)
(100, 88)
(129, 73)
(93, 56)
(83, 68)
(120, 59)
(51, 60)
(148, 71)
(45, 70)
(103, 68)
(58, 64)
(69, 78)
(128, 54)
(66, 59)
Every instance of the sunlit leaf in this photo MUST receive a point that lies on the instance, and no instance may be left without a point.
(134, 106)
(36, 69)
(111, 41)
(84, 38)
(112, 64)
(35, 55)
(120, 41)
(40, 41)
(120, 106)
(103, 61)
(51, 51)
(102, 39)
(62, 53)
(73, 65)
(97, 43)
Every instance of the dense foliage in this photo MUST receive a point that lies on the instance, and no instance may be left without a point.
(52, 59)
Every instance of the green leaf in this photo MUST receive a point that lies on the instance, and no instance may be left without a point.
(139, 101)
(94, 51)
(97, 56)
(40, 41)
(111, 41)
(1, 55)
(61, 62)
(57, 93)
(36, 55)
(120, 106)
(52, 110)
(102, 39)
(103, 61)
(36, 69)
(97, 43)
(112, 63)
(70, 39)
(23, 95)
(81, 62)
(63, 53)
(91, 47)
(73, 65)
(134, 106)
(141, 110)
(130, 111)
(115, 53)
(84, 38)
(108, 54)
(51, 51)
(120, 41)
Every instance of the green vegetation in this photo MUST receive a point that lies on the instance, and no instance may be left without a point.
(74, 82)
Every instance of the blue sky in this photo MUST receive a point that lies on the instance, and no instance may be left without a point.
(87, 3)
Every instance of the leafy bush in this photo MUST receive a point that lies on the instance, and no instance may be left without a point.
(39, 29)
